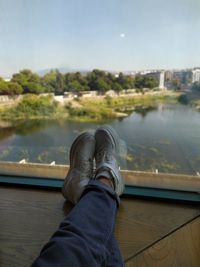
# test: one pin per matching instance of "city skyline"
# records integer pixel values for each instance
(112, 35)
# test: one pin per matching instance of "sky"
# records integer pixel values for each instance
(106, 34)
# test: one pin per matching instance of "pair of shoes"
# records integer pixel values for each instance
(102, 146)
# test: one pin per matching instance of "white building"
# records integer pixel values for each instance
(162, 80)
(196, 75)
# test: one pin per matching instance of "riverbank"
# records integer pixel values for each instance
(191, 98)
(92, 109)
(100, 109)
(196, 104)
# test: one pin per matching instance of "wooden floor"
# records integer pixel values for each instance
(150, 233)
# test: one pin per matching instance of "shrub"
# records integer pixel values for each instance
(183, 99)
(33, 106)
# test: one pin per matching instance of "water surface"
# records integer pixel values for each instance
(166, 139)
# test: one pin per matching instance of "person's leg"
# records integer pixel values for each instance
(113, 256)
(85, 237)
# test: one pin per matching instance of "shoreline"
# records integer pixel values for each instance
(93, 109)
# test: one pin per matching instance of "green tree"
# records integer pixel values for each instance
(110, 78)
(3, 87)
(101, 85)
(14, 88)
(125, 81)
(142, 81)
(196, 87)
(121, 80)
(34, 88)
(117, 87)
(59, 83)
(176, 84)
(49, 81)
(29, 81)
(75, 86)
(82, 81)
(150, 82)
(139, 82)
(99, 80)
(75, 82)
(54, 81)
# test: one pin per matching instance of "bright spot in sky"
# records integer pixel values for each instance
(122, 35)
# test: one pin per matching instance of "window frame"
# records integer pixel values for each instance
(137, 183)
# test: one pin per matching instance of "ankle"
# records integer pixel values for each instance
(106, 181)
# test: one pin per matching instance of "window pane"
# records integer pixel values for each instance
(69, 66)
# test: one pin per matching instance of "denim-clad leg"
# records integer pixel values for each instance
(85, 237)
(113, 257)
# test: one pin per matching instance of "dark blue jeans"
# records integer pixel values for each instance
(85, 238)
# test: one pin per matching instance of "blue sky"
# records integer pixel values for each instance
(105, 34)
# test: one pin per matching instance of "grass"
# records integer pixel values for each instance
(196, 104)
(107, 108)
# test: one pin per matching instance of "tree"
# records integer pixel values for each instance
(117, 87)
(97, 80)
(130, 82)
(34, 88)
(139, 82)
(14, 88)
(176, 84)
(29, 81)
(59, 83)
(121, 80)
(125, 81)
(3, 87)
(101, 85)
(49, 81)
(10, 88)
(75, 86)
(82, 81)
(196, 87)
(145, 82)
(150, 82)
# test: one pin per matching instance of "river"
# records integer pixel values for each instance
(166, 139)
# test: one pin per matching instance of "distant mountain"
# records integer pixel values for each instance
(62, 70)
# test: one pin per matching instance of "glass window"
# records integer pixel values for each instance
(69, 66)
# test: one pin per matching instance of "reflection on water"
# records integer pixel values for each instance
(167, 139)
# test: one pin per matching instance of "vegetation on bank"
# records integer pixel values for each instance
(31, 107)
(56, 82)
(92, 109)
(109, 108)
(192, 97)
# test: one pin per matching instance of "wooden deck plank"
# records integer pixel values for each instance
(178, 249)
(28, 217)
(142, 222)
